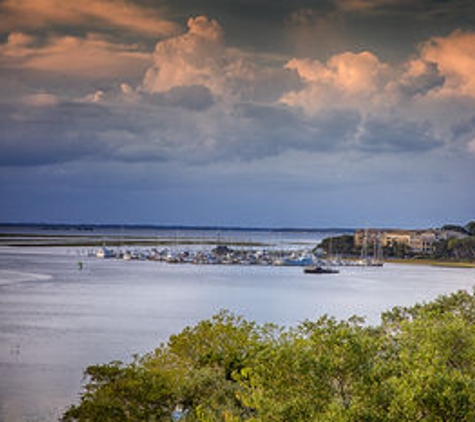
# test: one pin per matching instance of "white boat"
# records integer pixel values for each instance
(104, 253)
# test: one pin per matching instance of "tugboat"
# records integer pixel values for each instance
(317, 269)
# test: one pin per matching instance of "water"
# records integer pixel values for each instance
(55, 320)
(273, 237)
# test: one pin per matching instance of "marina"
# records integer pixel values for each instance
(224, 255)
(219, 255)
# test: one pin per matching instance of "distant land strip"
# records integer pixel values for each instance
(92, 241)
(92, 227)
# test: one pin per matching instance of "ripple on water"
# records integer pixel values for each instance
(10, 277)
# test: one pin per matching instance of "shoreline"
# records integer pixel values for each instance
(27, 240)
(432, 262)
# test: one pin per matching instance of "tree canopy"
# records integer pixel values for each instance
(418, 364)
(470, 228)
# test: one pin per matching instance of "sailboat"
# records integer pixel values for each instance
(377, 259)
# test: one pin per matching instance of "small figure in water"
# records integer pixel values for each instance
(80, 265)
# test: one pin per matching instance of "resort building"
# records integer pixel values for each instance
(419, 241)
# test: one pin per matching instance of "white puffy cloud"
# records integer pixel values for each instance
(345, 80)
(356, 73)
(200, 57)
(454, 57)
(422, 104)
(443, 66)
(194, 58)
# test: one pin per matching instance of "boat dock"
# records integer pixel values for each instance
(223, 255)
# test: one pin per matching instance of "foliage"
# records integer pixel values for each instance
(339, 245)
(118, 392)
(450, 249)
(418, 364)
(397, 250)
(455, 228)
(455, 249)
(345, 245)
(470, 228)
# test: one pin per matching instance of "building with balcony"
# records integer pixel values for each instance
(418, 241)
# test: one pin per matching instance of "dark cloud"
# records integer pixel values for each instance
(339, 24)
(465, 127)
(192, 97)
(271, 130)
(169, 128)
(266, 85)
(46, 135)
(397, 136)
(252, 25)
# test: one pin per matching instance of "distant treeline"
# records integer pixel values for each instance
(450, 249)
(417, 365)
(92, 227)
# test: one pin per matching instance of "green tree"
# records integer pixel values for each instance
(339, 245)
(123, 393)
(397, 250)
(417, 365)
(455, 228)
(433, 372)
(470, 228)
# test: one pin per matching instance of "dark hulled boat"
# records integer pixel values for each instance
(317, 269)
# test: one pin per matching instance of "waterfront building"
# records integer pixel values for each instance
(418, 241)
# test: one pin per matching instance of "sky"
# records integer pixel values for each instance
(256, 113)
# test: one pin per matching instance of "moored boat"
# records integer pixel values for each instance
(104, 253)
(317, 269)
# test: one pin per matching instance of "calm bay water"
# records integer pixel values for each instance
(55, 320)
